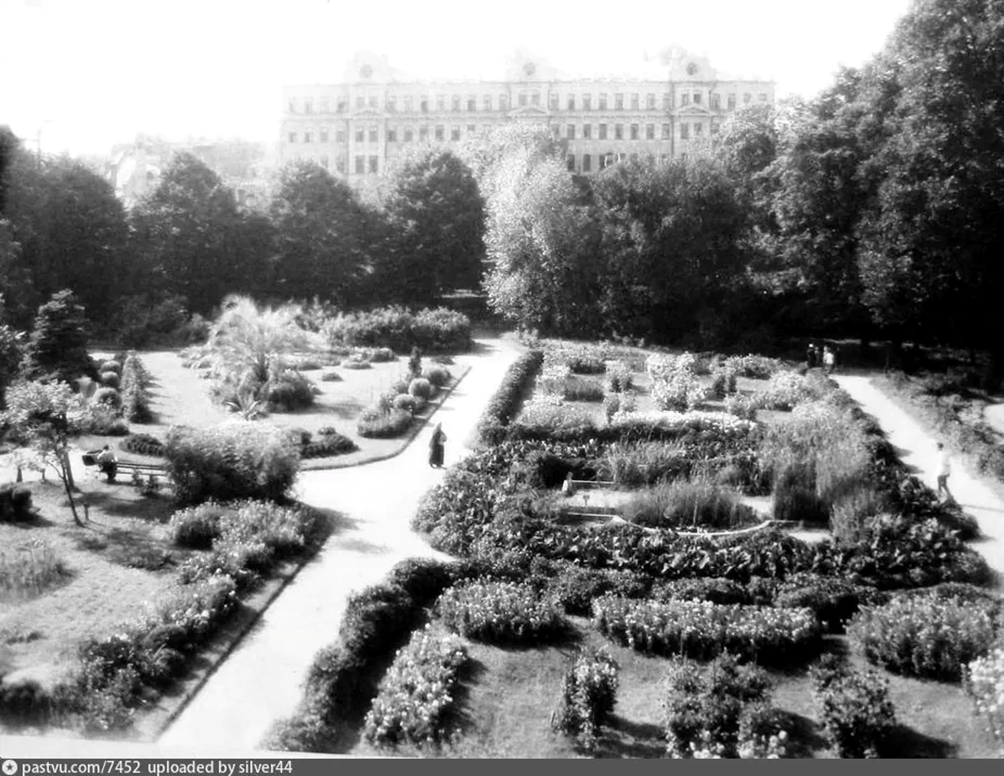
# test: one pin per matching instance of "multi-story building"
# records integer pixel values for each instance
(357, 128)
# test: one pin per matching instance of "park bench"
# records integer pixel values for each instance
(137, 471)
(592, 484)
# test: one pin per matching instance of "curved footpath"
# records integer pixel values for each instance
(261, 680)
(918, 449)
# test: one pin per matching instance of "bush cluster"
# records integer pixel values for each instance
(834, 600)
(925, 636)
(753, 366)
(588, 695)
(574, 588)
(701, 630)
(288, 392)
(505, 402)
(857, 714)
(236, 459)
(375, 423)
(15, 504)
(432, 330)
(325, 443)
(135, 389)
(501, 613)
(721, 711)
(142, 444)
(343, 678)
(417, 693)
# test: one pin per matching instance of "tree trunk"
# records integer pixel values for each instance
(67, 478)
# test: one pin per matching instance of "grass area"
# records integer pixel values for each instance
(508, 696)
(181, 396)
(112, 567)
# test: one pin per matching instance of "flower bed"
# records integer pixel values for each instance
(701, 630)
(501, 613)
(418, 691)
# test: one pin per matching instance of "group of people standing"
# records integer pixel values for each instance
(826, 358)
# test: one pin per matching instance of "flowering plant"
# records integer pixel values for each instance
(984, 683)
(588, 696)
(501, 613)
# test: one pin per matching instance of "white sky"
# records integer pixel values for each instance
(90, 73)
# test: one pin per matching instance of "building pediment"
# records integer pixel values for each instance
(694, 111)
(529, 111)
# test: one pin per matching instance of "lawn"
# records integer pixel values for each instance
(111, 568)
(180, 396)
(508, 695)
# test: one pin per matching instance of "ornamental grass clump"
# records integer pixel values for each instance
(689, 505)
(502, 613)
(589, 692)
(417, 692)
(925, 636)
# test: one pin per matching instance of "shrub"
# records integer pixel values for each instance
(706, 711)
(689, 504)
(588, 695)
(786, 390)
(381, 425)
(57, 346)
(619, 378)
(618, 402)
(984, 683)
(197, 527)
(418, 691)
(330, 376)
(236, 459)
(29, 568)
(420, 388)
(717, 590)
(111, 365)
(701, 630)
(504, 403)
(794, 497)
(15, 503)
(437, 375)
(111, 379)
(328, 444)
(109, 397)
(354, 362)
(142, 444)
(431, 330)
(723, 382)
(134, 388)
(924, 636)
(857, 714)
(289, 392)
(753, 367)
(501, 613)
(103, 420)
(408, 403)
(551, 417)
(832, 599)
(575, 588)
(585, 364)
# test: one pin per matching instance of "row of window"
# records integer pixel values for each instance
(370, 165)
(408, 134)
(605, 160)
(457, 103)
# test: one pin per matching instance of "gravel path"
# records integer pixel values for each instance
(261, 679)
(918, 449)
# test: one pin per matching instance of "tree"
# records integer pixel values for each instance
(57, 347)
(323, 235)
(44, 414)
(673, 245)
(189, 232)
(71, 232)
(929, 257)
(540, 240)
(437, 214)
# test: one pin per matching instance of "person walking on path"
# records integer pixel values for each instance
(812, 356)
(829, 360)
(944, 470)
(437, 447)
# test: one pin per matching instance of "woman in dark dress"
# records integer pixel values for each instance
(436, 447)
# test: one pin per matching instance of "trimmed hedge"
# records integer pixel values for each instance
(505, 402)
(431, 330)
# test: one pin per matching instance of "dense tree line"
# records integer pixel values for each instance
(188, 244)
(872, 210)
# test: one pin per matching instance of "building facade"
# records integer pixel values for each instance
(358, 128)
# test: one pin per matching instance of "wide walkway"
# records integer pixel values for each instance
(261, 680)
(919, 450)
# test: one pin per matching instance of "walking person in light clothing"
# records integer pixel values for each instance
(944, 470)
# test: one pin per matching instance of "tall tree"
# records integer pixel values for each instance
(71, 230)
(323, 235)
(930, 255)
(437, 214)
(189, 233)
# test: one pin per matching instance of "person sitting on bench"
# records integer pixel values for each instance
(107, 463)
